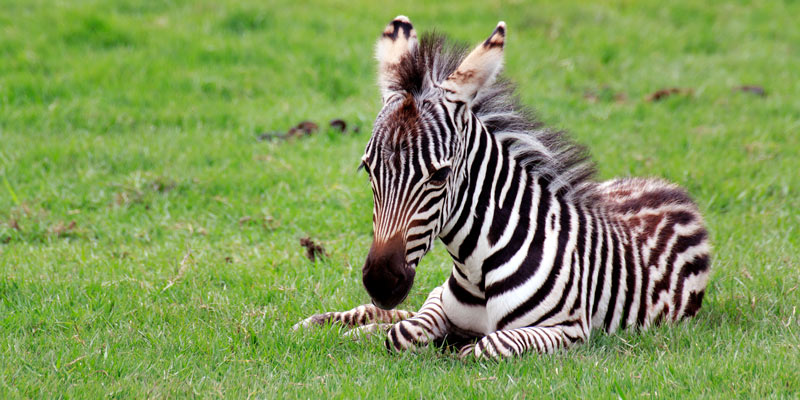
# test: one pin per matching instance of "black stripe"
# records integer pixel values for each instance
(645, 279)
(603, 265)
(616, 268)
(630, 280)
(462, 295)
(590, 276)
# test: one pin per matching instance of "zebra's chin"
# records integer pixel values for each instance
(393, 303)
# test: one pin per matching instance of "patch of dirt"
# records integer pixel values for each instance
(664, 93)
(752, 89)
(305, 128)
(338, 124)
(313, 250)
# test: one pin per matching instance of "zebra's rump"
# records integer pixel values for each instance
(665, 228)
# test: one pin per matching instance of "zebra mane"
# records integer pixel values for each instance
(552, 154)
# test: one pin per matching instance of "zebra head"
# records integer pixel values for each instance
(417, 154)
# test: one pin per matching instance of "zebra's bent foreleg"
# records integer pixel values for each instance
(429, 323)
(515, 342)
(362, 315)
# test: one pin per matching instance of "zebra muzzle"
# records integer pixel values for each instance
(386, 275)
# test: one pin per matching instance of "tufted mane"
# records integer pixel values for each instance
(549, 153)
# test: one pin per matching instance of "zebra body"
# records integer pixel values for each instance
(542, 254)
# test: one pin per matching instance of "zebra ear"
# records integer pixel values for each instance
(479, 69)
(397, 40)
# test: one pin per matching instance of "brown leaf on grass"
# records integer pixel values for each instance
(338, 124)
(13, 224)
(313, 250)
(663, 93)
(753, 89)
(305, 128)
(62, 229)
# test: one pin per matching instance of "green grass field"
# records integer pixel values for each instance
(149, 242)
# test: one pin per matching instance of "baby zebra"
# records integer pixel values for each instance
(541, 252)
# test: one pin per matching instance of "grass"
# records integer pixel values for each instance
(149, 243)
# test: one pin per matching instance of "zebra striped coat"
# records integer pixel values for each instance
(542, 254)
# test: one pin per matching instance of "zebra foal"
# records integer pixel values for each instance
(542, 253)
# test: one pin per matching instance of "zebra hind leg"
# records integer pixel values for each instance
(363, 315)
(515, 342)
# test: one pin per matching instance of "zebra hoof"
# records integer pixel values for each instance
(314, 320)
(484, 349)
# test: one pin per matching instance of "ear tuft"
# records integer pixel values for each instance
(401, 23)
(397, 40)
(479, 69)
(498, 37)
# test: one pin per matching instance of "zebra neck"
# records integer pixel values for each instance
(493, 188)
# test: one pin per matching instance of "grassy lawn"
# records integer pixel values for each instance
(149, 242)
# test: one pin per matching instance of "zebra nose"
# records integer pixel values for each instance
(386, 276)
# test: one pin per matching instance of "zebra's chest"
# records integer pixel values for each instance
(464, 301)
(465, 317)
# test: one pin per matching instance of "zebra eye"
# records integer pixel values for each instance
(439, 177)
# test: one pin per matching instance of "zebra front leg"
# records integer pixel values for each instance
(429, 323)
(515, 342)
(361, 315)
